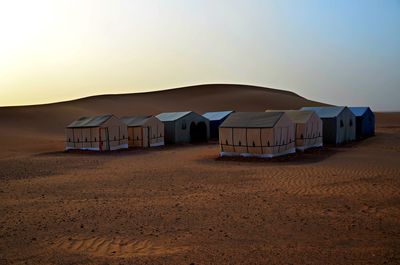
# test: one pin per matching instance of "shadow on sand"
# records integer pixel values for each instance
(314, 155)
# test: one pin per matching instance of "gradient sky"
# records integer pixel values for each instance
(341, 52)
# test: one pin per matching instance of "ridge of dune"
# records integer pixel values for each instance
(53, 117)
(197, 89)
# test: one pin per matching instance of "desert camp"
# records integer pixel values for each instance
(130, 206)
(257, 134)
(308, 128)
(98, 133)
(184, 127)
(365, 122)
(144, 131)
(339, 124)
(216, 118)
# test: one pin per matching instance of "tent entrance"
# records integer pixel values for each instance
(198, 132)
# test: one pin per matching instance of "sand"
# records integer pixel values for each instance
(184, 205)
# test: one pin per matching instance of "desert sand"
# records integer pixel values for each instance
(184, 205)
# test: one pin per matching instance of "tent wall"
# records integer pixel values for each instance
(135, 137)
(151, 133)
(240, 140)
(253, 137)
(255, 141)
(169, 132)
(262, 142)
(78, 138)
(86, 138)
(309, 134)
(346, 127)
(179, 130)
(365, 125)
(104, 143)
(329, 130)
(300, 134)
(69, 139)
(155, 132)
(284, 136)
(369, 124)
(145, 132)
(267, 140)
(214, 126)
(117, 133)
(112, 135)
(226, 140)
(94, 140)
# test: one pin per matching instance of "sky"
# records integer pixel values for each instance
(344, 52)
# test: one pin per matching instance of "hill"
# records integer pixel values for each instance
(52, 118)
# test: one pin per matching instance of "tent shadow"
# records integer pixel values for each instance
(122, 152)
(310, 156)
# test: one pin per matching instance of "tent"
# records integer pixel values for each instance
(258, 134)
(216, 118)
(339, 124)
(184, 127)
(308, 128)
(365, 121)
(144, 131)
(99, 133)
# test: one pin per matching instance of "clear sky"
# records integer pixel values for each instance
(344, 52)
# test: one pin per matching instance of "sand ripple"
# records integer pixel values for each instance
(343, 181)
(114, 247)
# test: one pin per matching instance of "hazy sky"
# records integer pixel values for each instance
(341, 52)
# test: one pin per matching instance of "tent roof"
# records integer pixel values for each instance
(252, 120)
(133, 121)
(216, 115)
(326, 112)
(172, 116)
(358, 111)
(297, 116)
(87, 122)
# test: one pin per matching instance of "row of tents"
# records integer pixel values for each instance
(108, 132)
(265, 134)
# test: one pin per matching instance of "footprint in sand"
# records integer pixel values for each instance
(115, 247)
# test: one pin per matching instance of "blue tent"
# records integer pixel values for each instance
(216, 118)
(365, 121)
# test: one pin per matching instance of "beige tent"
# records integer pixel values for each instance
(144, 131)
(259, 134)
(100, 133)
(308, 128)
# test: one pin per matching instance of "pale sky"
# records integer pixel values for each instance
(344, 52)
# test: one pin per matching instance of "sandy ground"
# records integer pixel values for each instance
(183, 205)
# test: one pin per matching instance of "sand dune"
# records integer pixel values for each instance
(52, 118)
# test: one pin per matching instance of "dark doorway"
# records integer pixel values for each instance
(201, 132)
(192, 132)
(198, 133)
